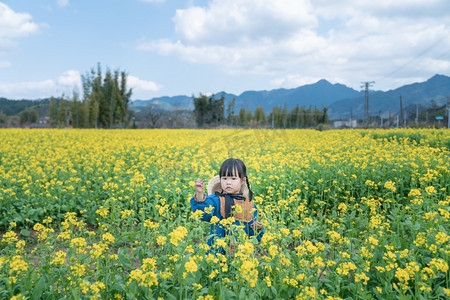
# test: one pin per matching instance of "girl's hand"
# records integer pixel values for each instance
(233, 247)
(257, 225)
(199, 186)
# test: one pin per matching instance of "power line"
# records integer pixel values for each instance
(414, 58)
(433, 62)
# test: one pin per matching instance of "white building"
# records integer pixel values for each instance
(350, 123)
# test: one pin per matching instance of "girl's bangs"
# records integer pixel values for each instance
(229, 167)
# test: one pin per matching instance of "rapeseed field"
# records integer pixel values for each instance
(105, 214)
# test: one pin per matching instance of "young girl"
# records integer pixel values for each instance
(229, 195)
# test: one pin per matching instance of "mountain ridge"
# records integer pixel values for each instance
(302, 95)
(435, 90)
(342, 101)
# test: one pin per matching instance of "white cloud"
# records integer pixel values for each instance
(4, 64)
(356, 40)
(141, 84)
(63, 3)
(28, 89)
(233, 22)
(71, 78)
(293, 80)
(6, 44)
(66, 83)
(239, 35)
(290, 81)
(13, 25)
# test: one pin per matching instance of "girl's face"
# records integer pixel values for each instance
(231, 184)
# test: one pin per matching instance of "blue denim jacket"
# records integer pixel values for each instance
(217, 230)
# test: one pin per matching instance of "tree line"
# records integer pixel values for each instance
(105, 102)
(210, 112)
(14, 113)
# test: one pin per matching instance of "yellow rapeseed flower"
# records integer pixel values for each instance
(60, 258)
(96, 287)
(9, 237)
(191, 266)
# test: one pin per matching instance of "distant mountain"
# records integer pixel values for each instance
(436, 89)
(14, 107)
(317, 94)
(340, 100)
(165, 103)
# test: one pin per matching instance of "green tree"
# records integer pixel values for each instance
(62, 112)
(108, 106)
(200, 109)
(285, 116)
(209, 111)
(277, 117)
(53, 112)
(249, 116)
(217, 108)
(93, 111)
(75, 108)
(123, 98)
(307, 115)
(29, 115)
(260, 116)
(3, 117)
(230, 111)
(84, 114)
(324, 115)
(303, 117)
(245, 117)
(295, 117)
(108, 98)
(104, 106)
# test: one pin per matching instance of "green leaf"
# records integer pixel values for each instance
(75, 294)
(128, 236)
(123, 258)
(39, 288)
(25, 232)
(229, 294)
(274, 290)
(242, 294)
(170, 296)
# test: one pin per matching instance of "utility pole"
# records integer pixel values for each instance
(401, 111)
(366, 85)
(448, 113)
(351, 118)
(381, 119)
(273, 119)
(389, 124)
(417, 115)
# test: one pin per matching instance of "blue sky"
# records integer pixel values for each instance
(170, 47)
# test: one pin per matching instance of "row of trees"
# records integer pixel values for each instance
(298, 117)
(210, 112)
(15, 113)
(104, 104)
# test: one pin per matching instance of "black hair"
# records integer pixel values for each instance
(230, 165)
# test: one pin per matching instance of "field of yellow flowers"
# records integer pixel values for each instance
(105, 214)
